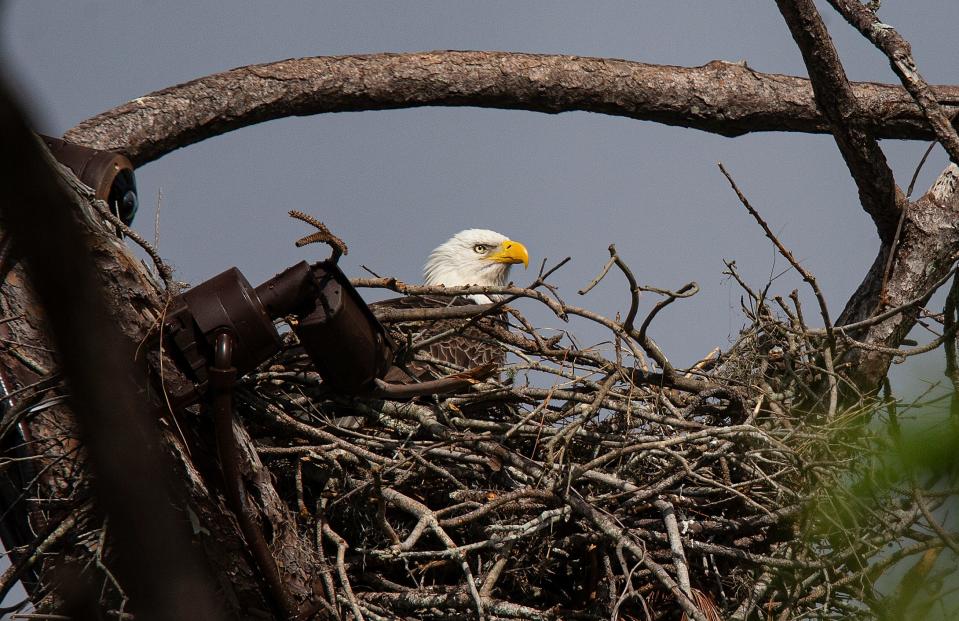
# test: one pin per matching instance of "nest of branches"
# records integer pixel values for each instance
(576, 484)
(573, 483)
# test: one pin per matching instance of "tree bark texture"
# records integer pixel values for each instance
(919, 238)
(720, 97)
(927, 251)
(899, 52)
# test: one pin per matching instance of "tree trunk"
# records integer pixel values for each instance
(57, 451)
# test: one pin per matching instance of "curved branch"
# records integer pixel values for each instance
(724, 98)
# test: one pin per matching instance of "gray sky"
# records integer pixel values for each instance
(395, 184)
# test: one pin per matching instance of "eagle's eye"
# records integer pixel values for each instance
(480, 248)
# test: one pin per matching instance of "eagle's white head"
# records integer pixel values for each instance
(474, 257)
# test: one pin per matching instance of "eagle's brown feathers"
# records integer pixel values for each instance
(470, 344)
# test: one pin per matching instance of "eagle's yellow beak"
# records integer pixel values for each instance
(511, 252)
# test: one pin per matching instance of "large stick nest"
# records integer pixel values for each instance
(575, 484)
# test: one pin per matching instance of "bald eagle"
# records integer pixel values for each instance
(471, 257)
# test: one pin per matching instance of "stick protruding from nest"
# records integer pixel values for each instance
(322, 235)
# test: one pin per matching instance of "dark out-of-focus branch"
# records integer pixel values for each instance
(720, 97)
(878, 193)
(155, 563)
(903, 64)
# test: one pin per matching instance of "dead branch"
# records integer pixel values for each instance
(878, 193)
(928, 248)
(725, 98)
(323, 235)
(899, 52)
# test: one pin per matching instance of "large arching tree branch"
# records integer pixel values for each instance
(719, 97)
(725, 98)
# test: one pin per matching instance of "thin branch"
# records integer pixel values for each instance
(17, 569)
(164, 270)
(806, 274)
(675, 545)
(915, 173)
(602, 273)
(398, 315)
(323, 235)
(899, 52)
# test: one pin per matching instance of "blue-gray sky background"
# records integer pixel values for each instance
(395, 184)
